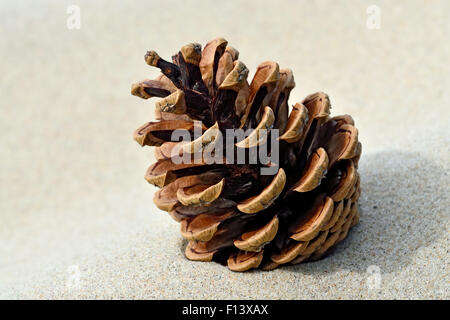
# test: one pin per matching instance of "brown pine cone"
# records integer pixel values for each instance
(233, 211)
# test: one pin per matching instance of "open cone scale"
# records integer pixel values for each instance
(231, 213)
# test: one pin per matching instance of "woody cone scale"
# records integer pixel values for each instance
(229, 211)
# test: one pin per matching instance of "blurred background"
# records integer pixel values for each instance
(73, 201)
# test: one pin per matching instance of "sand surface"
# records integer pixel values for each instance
(77, 218)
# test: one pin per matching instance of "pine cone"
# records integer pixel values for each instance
(231, 211)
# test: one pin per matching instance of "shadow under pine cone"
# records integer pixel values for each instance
(398, 215)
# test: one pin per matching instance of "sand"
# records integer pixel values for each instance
(77, 219)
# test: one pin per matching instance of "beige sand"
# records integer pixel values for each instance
(72, 193)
